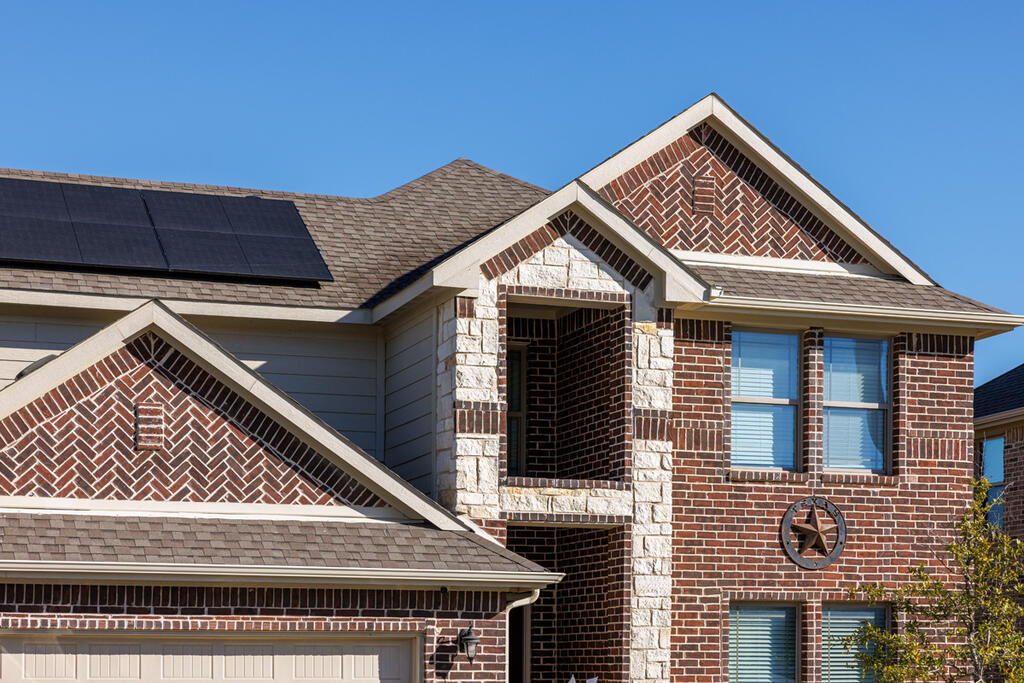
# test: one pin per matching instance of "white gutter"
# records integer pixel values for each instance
(173, 573)
(995, 419)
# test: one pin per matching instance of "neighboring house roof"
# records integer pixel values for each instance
(203, 545)
(838, 289)
(1002, 394)
(372, 246)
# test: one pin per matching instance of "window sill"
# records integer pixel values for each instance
(767, 474)
(859, 478)
(542, 482)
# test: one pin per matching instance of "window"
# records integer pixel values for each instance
(992, 470)
(856, 403)
(764, 399)
(516, 425)
(762, 644)
(838, 665)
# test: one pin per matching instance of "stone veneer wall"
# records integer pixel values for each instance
(470, 391)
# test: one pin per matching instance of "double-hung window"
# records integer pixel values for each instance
(839, 665)
(516, 416)
(992, 470)
(762, 644)
(765, 393)
(856, 403)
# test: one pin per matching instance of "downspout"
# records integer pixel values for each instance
(516, 600)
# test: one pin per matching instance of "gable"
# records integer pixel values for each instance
(700, 193)
(147, 423)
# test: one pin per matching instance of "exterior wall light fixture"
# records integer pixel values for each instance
(468, 642)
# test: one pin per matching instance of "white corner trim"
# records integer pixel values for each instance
(104, 302)
(36, 505)
(713, 108)
(701, 258)
(175, 573)
(983, 319)
(214, 359)
(1000, 418)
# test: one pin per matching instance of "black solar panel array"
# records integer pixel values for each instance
(91, 225)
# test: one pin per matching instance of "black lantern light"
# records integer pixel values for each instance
(468, 643)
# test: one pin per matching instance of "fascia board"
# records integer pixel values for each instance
(1000, 418)
(174, 573)
(979, 319)
(125, 304)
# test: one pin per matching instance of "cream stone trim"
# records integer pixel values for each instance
(714, 110)
(36, 505)
(1000, 418)
(154, 316)
(177, 573)
(102, 302)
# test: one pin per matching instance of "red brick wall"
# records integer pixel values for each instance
(436, 616)
(726, 527)
(79, 440)
(579, 371)
(580, 627)
(701, 194)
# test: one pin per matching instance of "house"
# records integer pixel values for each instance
(999, 440)
(645, 427)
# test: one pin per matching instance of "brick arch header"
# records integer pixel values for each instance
(147, 423)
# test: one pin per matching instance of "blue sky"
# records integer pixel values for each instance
(908, 112)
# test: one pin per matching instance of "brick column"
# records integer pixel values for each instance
(810, 640)
(812, 384)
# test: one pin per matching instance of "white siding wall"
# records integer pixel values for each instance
(331, 372)
(409, 400)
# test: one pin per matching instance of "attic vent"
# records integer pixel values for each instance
(33, 366)
(704, 194)
(149, 426)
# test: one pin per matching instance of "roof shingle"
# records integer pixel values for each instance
(1005, 392)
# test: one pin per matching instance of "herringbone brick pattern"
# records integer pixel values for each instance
(751, 215)
(78, 441)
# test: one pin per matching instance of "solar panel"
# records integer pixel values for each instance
(258, 216)
(129, 246)
(284, 257)
(38, 239)
(105, 205)
(186, 211)
(66, 223)
(204, 252)
(32, 198)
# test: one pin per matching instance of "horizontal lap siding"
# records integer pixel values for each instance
(409, 401)
(333, 374)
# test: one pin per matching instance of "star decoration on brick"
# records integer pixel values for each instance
(816, 534)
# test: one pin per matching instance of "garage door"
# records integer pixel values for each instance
(194, 659)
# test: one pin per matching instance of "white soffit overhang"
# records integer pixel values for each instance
(713, 110)
(206, 353)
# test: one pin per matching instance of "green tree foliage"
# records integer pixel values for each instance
(958, 620)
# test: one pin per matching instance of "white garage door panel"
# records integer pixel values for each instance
(211, 660)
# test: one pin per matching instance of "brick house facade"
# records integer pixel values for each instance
(511, 411)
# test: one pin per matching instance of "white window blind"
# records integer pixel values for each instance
(856, 403)
(762, 644)
(765, 386)
(838, 665)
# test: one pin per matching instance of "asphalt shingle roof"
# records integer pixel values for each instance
(372, 246)
(182, 540)
(839, 289)
(1005, 392)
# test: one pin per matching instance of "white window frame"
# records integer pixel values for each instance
(886, 407)
(798, 637)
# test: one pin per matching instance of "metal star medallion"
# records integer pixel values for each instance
(816, 533)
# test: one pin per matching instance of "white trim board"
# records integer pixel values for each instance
(155, 317)
(714, 110)
(219, 574)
